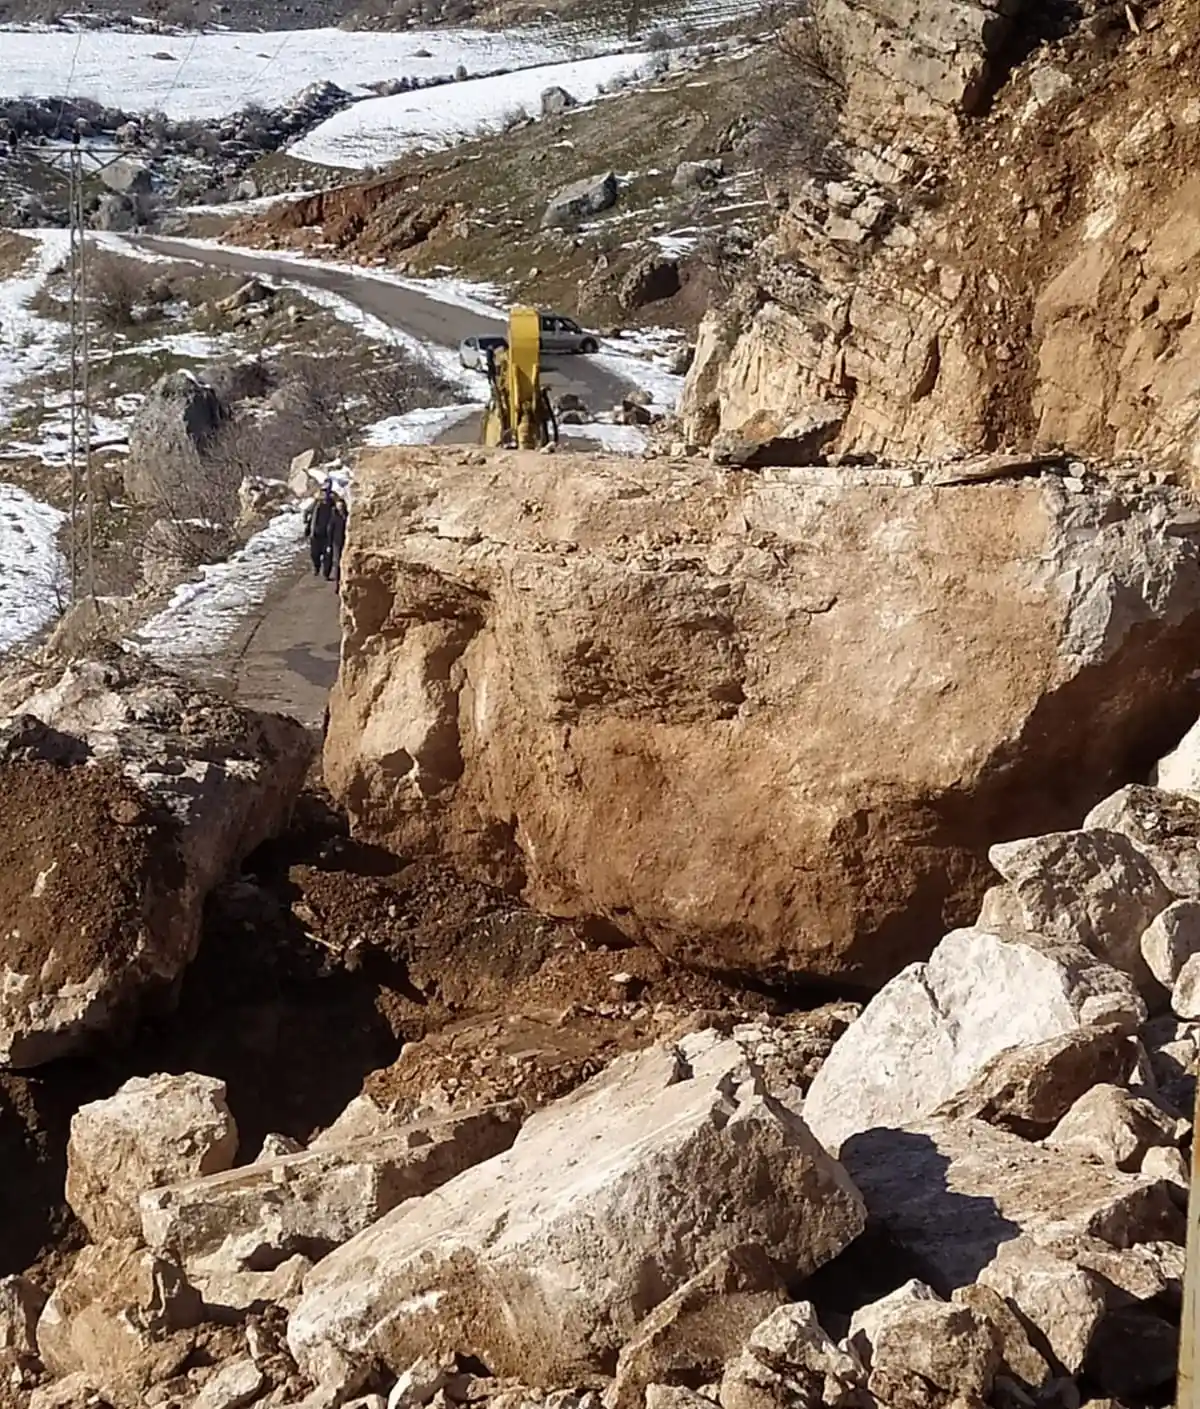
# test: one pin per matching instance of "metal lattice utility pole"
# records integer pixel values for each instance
(73, 214)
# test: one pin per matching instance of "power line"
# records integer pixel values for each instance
(183, 64)
(62, 102)
(261, 74)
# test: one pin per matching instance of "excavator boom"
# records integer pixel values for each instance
(518, 412)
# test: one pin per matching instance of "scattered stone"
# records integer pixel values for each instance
(421, 1382)
(581, 199)
(1110, 1125)
(933, 1352)
(1166, 1162)
(129, 178)
(1165, 828)
(154, 1130)
(1090, 887)
(1185, 996)
(690, 1335)
(254, 291)
(1063, 1302)
(1019, 1358)
(868, 1322)
(120, 1316)
(276, 1147)
(232, 1387)
(1027, 1090)
(931, 1031)
(654, 1152)
(556, 101)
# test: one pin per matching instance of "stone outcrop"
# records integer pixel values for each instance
(625, 687)
(938, 290)
(171, 788)
(543, 1261)
(154, 1130)
(175, 424)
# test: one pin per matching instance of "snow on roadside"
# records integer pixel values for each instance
(381, 130)
(420, 427)
(212, 75)
(32, 569)
(203, 615)
(28, 344)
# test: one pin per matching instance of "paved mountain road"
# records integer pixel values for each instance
(285, 657)
(430, 319)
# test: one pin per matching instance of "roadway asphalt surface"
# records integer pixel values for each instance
(415, 313)
(285, 658)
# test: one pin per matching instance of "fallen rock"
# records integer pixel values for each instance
(1185, 996)
(539, 1261)
(689, 1336)
(171, 788)
(232, 1387)
(178, 421)
(1020, 1360)
(697, 175)
(128, 177)
(556, 101)
(1110, 1125)
(931, 1032)
(950, 1192)
(1094, 888)
(154, 1130)
(1028, 1090)
(1063, 1302)
(21, 1303)
(252, 1218)
(869, 1321)
(1165, 828)
(1171, 940)
(738, 710)
(1179, 771)
(581, 199)
(251, 292)
(932, 1353)
(259, 498)
(122, 1317)
(792, 1343)
(421, 1383)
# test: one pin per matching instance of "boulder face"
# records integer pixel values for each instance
(129, 796)
(769, 722)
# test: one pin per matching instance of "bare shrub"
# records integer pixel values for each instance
(798, 113)
(117, 289)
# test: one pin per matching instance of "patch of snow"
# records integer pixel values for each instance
(420, 427)
(623, 440)
(664, 387)
(32, 570)
(214, 74)
(380, 130)
(29, 344)
(204, 614)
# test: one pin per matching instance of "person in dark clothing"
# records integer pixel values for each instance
(325, 529)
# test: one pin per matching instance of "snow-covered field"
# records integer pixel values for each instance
(381, 130)
(212, 75)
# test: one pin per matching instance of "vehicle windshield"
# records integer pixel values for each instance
(492, 342)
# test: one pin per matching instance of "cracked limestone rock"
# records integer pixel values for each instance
(154, 1130)
(931, 1032)
(621, 687)
(543, 1261)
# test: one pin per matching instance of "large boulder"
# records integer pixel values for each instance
(581, 199)
(154, 1130)
(934, 1029)
(769, 722)
(544, 1260)
(175, 424)
(129, 796)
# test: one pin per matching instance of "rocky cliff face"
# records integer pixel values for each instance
(771, 722)
(1007, 257)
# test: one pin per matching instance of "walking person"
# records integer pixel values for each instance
(325, 529)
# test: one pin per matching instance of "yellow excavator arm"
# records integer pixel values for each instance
(518, 412)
